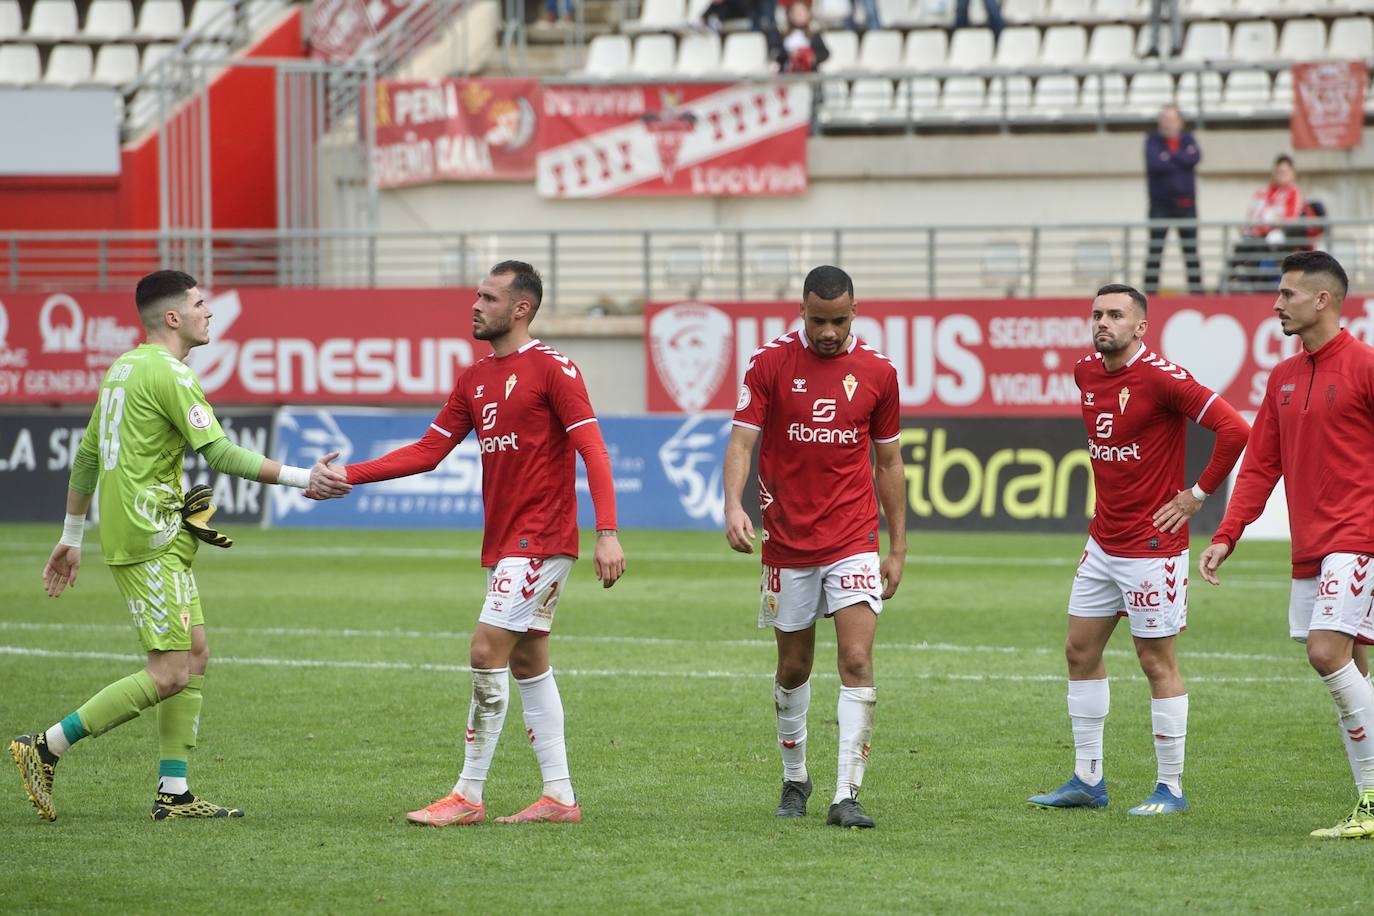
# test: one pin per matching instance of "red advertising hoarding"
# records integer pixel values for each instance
(716, 139)
(455, 130)
(1328, 104)
(268, 346)
(1010, 357)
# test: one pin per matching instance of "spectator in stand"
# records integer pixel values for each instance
(1175, 27)
(557, 12)
(1171, 155)
(1266, 240)
(993, 8)
(802, 49)
(762, 15)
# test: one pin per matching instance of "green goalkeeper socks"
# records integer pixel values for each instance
(118, 703)
(178, 720)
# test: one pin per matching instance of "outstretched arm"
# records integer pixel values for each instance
(321, 481)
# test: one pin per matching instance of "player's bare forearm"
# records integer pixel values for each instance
(608, 559)
(739, 529)
(890, 476)
(78, 503)
(65, 560)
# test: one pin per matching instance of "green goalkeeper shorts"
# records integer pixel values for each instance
(162, 595)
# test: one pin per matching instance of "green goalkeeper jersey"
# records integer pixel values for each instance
(151, 407)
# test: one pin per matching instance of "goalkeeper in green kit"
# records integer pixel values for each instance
(151, 408)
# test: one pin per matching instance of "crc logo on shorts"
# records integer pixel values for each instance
(1144, 597)
(501, 583)
(489, 414)
(865, 580)
(1330, 586)
(823, 410)
(198, 416)
(1104, 426)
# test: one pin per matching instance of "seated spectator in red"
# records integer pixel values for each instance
(802, 49)
(1269, 234)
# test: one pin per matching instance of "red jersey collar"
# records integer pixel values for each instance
(1331, 347)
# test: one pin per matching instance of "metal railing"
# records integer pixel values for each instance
(617, 271)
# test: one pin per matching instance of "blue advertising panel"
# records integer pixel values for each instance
(667, 472)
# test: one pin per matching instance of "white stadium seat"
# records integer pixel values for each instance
(894, 12)
(1206, 9)
(1259, 7)
(1247, 91)
(1204, 41)
(1114, 10)
(608, 55)
(109, 19)
(933, 12)
(1018, 48)
(699, 53)
(1070, 10)
(53, 19)
(1022, 12)
(1110, 45)
(115, 65)
(212, 19)
(844, 51)
(1188, 95)
(1252, 41)
(1352, 39)
(963, 95)
(923, 93)
(871, 99)
(1149, 92)
(880, 50)
(657, 16)
(19, 65)
(653, 55)
(1066, 46)
(160, 19)
(1015, 89)
(11, 25)
(153, 54)
(68, 65)
(1056, 95)
(745, 53)
(1302, 39)
(925, 49)
(1103, 93)
(970, 49)
(1283, 90)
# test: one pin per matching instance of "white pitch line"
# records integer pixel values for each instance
(723, 555)
(328, 633)
(429, 667)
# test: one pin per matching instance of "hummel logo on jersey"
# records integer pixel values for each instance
(479, 391)
(489, 414)
(1088, 399)
(799, 386)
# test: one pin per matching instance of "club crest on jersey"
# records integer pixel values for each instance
(744, 397)
(851, 384)
(799, 386)
(480, 390)
(1123, 397)
(1088, 399)
(510, 384)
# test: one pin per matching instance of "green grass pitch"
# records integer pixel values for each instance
(336, 698)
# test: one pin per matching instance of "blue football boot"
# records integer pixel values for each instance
(1162, 801)
(1073, 794)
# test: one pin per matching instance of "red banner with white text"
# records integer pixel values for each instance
(1328, 104)
(338, 28)
(455, 130)
(267, 346)
(689, 139)
(1011, 357)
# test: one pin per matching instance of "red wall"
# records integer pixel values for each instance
(242, 150)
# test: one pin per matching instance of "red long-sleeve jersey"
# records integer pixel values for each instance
(1315, 429)
(530, 410)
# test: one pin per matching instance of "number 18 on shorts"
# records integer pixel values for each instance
(794, 599)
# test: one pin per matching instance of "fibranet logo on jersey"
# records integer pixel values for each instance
(1100, 452)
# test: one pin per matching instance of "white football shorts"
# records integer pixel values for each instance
(1151, 591)
(794, 599)
(523, 593)
(1340, 599)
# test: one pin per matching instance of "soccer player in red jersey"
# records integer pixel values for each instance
(528, 405)
(1315, 429)
(1136, 407)
(818, 397)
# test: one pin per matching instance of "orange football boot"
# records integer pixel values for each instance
(546, 810)
(451, 809)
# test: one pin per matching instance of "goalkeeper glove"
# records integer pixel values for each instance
(196, 511)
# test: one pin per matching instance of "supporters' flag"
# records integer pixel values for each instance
(711, 139)
(1328, 104)
(455, 129)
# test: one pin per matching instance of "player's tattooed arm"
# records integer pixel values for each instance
(739, 529)
(890, 475)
